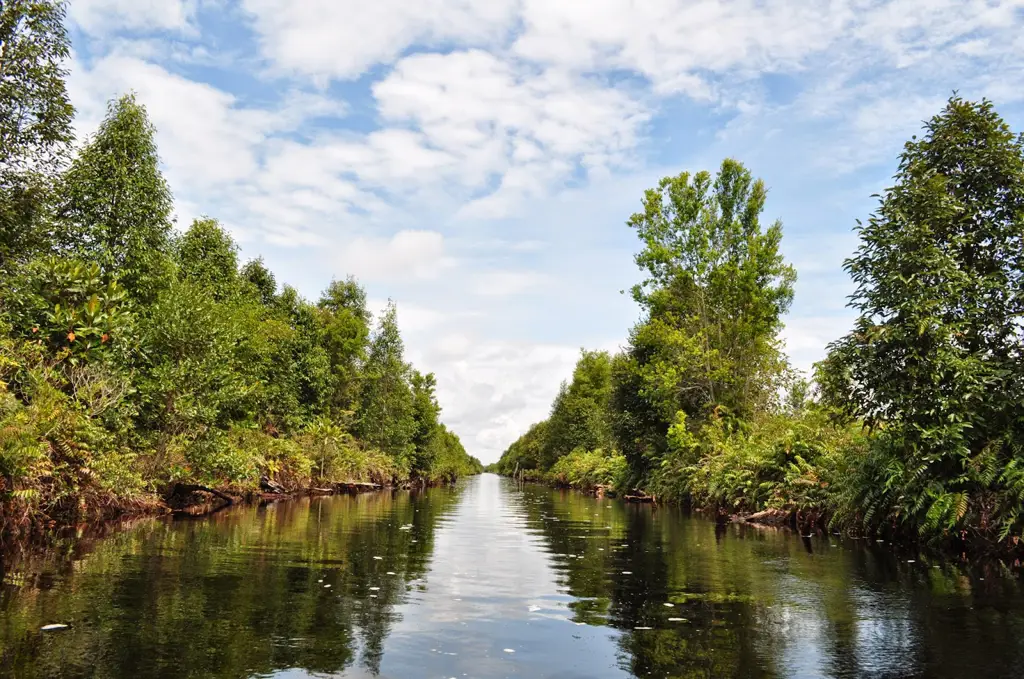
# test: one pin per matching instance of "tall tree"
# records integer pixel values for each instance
(35, 117)
(386, 417)
(426, 415)
(346, 336)
(937, 353)
(716, 289)
(116, 203)
(580, 413)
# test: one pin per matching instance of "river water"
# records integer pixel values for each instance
(490, 579)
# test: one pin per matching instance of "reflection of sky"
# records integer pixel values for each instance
(488, 571)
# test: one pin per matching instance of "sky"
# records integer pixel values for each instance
(476, 161)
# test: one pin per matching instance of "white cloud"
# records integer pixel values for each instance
(407, 254)
(491, 390)
(106, 16)
(343, 38)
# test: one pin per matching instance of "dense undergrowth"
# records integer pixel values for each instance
(911, 427)
(135, 356)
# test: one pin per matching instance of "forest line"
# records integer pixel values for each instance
(910, 428)
(134, 358)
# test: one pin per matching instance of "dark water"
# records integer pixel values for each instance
(490, 580)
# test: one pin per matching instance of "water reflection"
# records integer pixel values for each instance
(494, 580)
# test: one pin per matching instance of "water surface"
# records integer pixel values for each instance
(490, 579)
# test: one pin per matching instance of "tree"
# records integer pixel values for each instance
(35, 118)
(207, 255)
(716, 290)
(426, 414)
(116, 204)
(386, 417)
(257, 275)
(346, 336)
(935, 356)
(579, 414)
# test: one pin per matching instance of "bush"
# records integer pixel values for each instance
(587, 469)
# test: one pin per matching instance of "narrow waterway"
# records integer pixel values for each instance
(494, 580)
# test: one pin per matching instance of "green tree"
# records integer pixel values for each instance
(387, 411)
(426, 414)
(580, 413)
(35, 119)
(264, 284)
(346, 338)
(716, 289)
(207, 255)
(935, 357)
(116, 205)
(526, 452)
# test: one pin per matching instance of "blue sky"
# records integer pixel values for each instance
(476, 160)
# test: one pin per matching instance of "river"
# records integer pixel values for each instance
(490, 579)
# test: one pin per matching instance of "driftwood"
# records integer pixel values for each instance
(356, 486)
(268, 485)
(638, 498)
(185, 488)
(770, 517)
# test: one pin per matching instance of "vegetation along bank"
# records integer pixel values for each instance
(138, 362)
(912, 427)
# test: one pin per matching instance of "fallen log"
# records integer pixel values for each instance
(356, 486)
(638, 498)
(769, 517)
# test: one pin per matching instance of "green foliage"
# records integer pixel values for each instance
(132, 359)
(935, 359)
(387, 405)
(716, 290)
(35, 120)
(71, 309)
(585, 470)
(579, 415)
(114, 204)
(207, 256)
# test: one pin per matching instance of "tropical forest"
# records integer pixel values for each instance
(230, 228)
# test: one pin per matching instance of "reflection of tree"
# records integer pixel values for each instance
(634, 561)
(233, 595)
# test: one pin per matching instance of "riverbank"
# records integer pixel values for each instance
(807, 520)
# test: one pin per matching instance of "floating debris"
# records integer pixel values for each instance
(378, 558)
(627, 572)
(642, 627)
(668, 604)
(508, 650)
(677, 620)
(53, 627)
(390, 573)
(327, 586)
(375, 589)
(533, 608)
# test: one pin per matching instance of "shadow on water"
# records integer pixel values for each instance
(495, 580)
